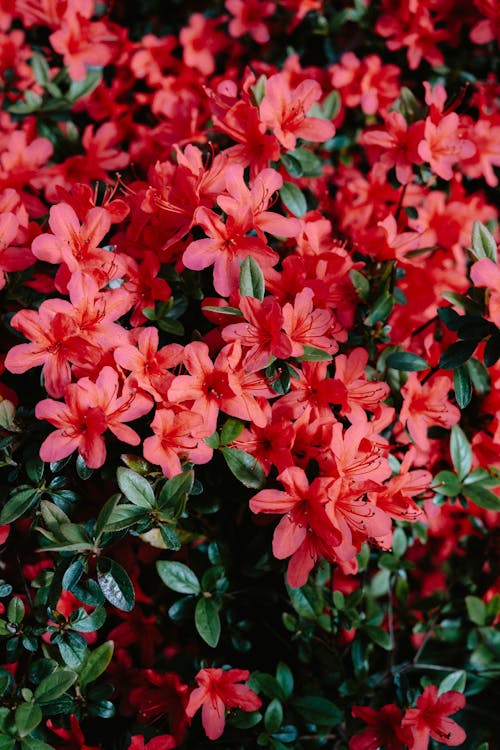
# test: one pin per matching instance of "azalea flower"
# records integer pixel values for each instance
(430, 718)
(218, 690)
(383, 731)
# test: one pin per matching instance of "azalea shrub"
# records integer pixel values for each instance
(249, 415)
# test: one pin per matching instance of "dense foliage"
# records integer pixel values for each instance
(249, 397)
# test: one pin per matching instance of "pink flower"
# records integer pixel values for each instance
(431, 718)
(217, 691)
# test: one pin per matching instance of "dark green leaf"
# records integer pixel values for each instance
(136, 489)
(78, 89)
(54, 685)
(251, 279)
(450, 318)
(96, 663)
(306, 601)
(18, 505)
(273, 718)
(174, 491)
(457, 354)
(30, 743)
(105, 513)
(28, 716)
(115, 584)
(318, 710)
(407, 361)
(284, 677)
(178, 577)
(294, 199)
(462, 385)
(88, 622)
(73, 574)
(491, 352)
(245, 719)
(207, 621)
(82, 469)
(381, 309)
(124, 516)
(245, 467)
(483, 242)
(461, 453)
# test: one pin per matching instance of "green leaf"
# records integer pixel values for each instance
(135, 488)
(407, 361)
(225, 310)
(245, 719)
(54, 685)
(18, 505)
(313, 354)
(105, 514)
(481, 496)
(170, 537)
(310, 164)
(7, 743)
(115, 584)
(360, 283)
(273, 718)
(318, 710)
(292, 165)
(306, 601)
(294, 199)
(379, 636)
(262, 682)
(483, 242)
(245, 467)
(457, 354)
(492, 350)
(454, 681)
(96, 663)
(461, 453)
(178, 577)
(174, 492)
(381, 309)
(399, 542)
(251, 279)
(87, 622)
(284, 677)
(463, 386)
(479, 375)
(83, 471)
(15, 610)
(447, 483)
(207, 621)
(78, 89)
(476, 609)
(28, 716)
(72, 648)
(123, 516)
(231, 430)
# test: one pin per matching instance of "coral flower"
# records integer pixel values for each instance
(431, 718)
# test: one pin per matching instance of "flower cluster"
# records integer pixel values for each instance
(255, 243)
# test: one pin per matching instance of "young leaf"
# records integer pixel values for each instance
(178, 577)
(115, 584)
(461, 453)
(18, 504)
(207, 621)
(481, 496)
(318, 710)
(273, 718)
(96, 663)
(476, 609)
(231, 430)
(454, 681)
(483, 242)
(251, 279)
(284, 677)
(27, 717)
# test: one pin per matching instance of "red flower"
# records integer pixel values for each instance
(73, 737)
(431, 718)
(383, 730)
(161, 742)
(218, 690)
(160, 695)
